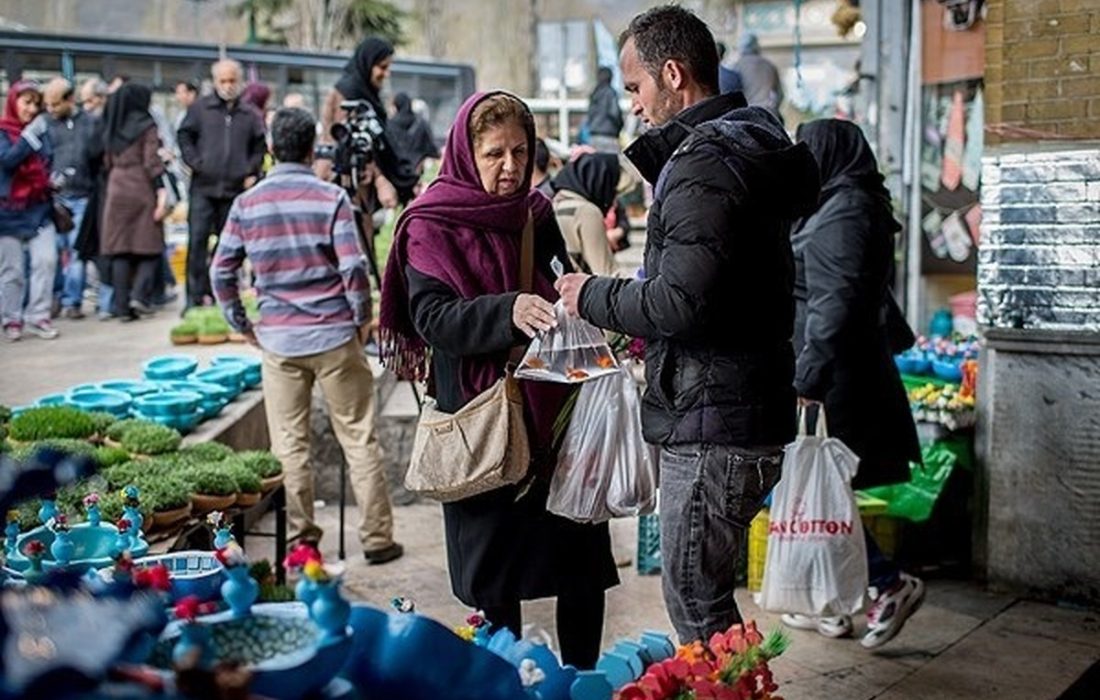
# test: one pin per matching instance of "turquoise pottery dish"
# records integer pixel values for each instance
(252, 367)
(117, 403)
(82, 387)
(170, 367)
(133, 387)
(93, 547)
(277, 643)
(168, 403)
(214, 396)
(229, 375)
(947, 370)
(192, 573)
(184, 423)
(51, 400)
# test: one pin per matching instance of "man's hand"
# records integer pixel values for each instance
(569, 287)
(532, 314)
(387, 193)
(250, 338)
(249, 182)
(160, 212)
(362, 334)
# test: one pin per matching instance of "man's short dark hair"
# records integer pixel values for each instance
(671, 33)
(189, 85)
(293, 132)
(542, 156)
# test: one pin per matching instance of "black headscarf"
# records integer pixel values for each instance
(843, 157)
(404, 117)
(127, 116)
(593, 176)
(356, 84)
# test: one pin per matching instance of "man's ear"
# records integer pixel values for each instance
(674, 74)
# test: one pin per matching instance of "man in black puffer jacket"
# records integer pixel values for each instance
(716, 308)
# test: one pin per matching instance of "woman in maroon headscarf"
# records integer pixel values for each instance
(25, 214)
(451, 304)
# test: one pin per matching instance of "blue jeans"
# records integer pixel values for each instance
(709, 495)
(882, 572)
(69, 283)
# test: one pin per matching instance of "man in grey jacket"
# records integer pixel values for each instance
(605, 118)
(71, 133)
(223, 142)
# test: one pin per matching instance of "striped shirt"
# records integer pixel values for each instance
(310, 272)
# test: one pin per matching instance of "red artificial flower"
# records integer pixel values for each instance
(301, 555)
(123, 524)
(125, 561)
(34, 548)
(155, 577)
(187, 608)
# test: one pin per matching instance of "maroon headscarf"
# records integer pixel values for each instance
(469, 239)
(31, 180)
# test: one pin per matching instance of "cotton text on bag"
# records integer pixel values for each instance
(817, 559)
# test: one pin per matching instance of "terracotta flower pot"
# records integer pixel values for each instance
(246, 500)
(235, 337)
(214, 339)
(184, 339)
(163, 519)
(272, 482)
(204, 503)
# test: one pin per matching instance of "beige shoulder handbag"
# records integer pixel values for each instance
(484, 445)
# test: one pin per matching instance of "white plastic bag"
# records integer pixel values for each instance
(604, 469)
(817, 557)
(574, 351)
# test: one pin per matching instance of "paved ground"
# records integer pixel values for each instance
(965, 642)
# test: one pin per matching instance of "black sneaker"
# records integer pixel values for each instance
(385, 554)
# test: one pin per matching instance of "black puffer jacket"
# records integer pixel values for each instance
(222, 144)
(716, 308)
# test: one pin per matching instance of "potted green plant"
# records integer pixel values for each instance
(169, 498)
(110, 455)
(212, 488)
(151, 439)
(115, 431)
(249, 486)
(103, 420)
(205, 452)
(213, 330)
(44, 422)
(265, 465)
(186, 333)
(69, 446)
(119, 475)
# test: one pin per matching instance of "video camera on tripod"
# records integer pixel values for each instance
(358, 141)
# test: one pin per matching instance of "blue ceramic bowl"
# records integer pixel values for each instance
(93, 547)
(117, 403)
(51, 400)
(170, 367)
(279, 645)
(193, 573)
(132, 387)
(947, 370)
(228, 375)
(168, 403)
(214, 396)
(912, 362)
(184, 423)
(252, 367)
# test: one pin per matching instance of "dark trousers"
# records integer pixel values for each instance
(206, 217)
(882, 572)
(579, 621)
(132, 278)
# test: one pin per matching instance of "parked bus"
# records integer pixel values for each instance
(162, 64)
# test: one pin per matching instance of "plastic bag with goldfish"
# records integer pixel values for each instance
(574, 351)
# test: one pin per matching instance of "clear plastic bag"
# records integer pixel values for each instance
(817, 558)
(605, 469)
(574, 351)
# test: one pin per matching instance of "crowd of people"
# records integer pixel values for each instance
(765, 286)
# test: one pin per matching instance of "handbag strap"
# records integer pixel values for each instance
(526, 276)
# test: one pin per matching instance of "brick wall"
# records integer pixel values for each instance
(1039, 261)
(1042, 68)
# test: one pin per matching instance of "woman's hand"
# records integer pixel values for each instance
(161, 210)
(532, 314)
(387, 193)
